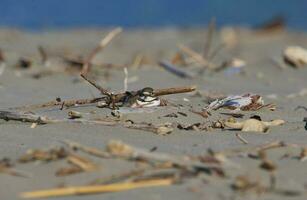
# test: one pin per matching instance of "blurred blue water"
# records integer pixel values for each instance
(38, 14)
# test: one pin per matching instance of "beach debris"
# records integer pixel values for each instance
(163, 129)
(66, 171)
(103, 43)
(301, 93)
(6, 166)
(75, 146)
(244, 183)
(244, 141)
(245, 102)
(94, 189)
(119, 149)
(74, 114)
(175, 70)
(296, 56)
(178, 59)
(196, 126)
(24, 63)
(232, 67)
(171, 115)
(235, 115)
(43, 155)
(254, 125)
(44, 57)
(203, 113)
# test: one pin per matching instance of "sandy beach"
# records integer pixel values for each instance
(265, 73)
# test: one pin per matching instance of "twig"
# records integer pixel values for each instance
(86, 149)
(175, 70)
(103, 43)
(66, 103)
(159, 130)
(82, 190)
(211, 30)
(241, 138)
(43, 54)
(174, 90)
(101, 89)
(25, 117)
(126, 79)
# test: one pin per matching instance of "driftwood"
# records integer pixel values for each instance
(116, 98)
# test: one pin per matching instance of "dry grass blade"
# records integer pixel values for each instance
(103, 43)
(94, 189)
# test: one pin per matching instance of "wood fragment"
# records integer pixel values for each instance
(87, 149)
(103, 43)
(94, 189)
(82, 163)
(159, 130)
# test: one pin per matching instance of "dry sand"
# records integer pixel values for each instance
(262, 76)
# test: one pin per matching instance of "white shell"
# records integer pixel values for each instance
(296, 55)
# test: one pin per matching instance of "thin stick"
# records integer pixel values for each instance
(174, 90)
(211, 31)
(244, 141)
(101, 89)
(175, 70)
(43, 54)
(25, 117)
(66, 103)
(126, 79)
(82, 190)
(103, 43)
(87, 149)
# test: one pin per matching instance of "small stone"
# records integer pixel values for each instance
(296, 56)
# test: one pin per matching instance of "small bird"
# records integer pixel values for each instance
(142, 98)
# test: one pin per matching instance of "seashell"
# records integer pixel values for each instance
(295, 56)
(254, 125)
(238, 102)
